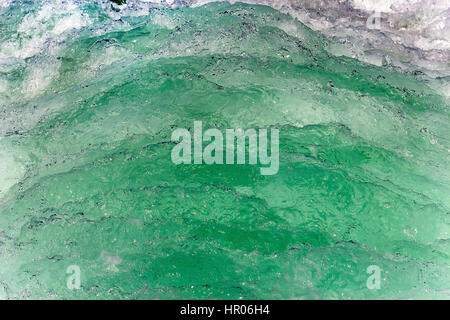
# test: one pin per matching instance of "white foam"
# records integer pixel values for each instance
(49, 25)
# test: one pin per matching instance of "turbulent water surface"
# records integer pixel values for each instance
(90, 96)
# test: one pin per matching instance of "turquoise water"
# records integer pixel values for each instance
(87, 113)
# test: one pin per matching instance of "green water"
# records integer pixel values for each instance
(88, 178)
